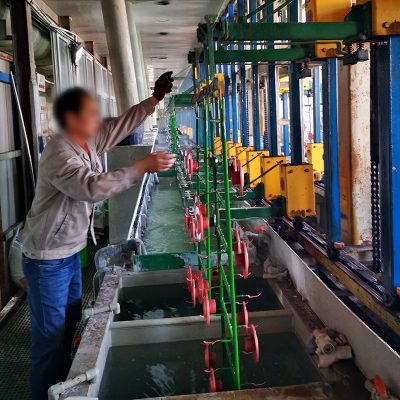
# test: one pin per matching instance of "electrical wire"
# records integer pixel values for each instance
(28, 151)
(45, 19)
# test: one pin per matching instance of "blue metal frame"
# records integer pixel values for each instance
(317, 105)
(331, 151)
(231, 16)
(285, 128)
(226, 89)
(255, 82)
(272, 111)
(296, 134)
(296, 131)
(272, 125)
(385, 95)
(5, 77)
(243, 92)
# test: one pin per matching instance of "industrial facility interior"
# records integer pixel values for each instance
(266, 263)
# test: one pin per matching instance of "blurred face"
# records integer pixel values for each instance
(86, 124)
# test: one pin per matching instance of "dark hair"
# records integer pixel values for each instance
(68, 101)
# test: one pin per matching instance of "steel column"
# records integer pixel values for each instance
(226, 99)
(243, 91)
(231, 15)
(317, 105)
(296, 131)
(331, 152)
(285, 128)
(255, 91)
(385, 123)
(272, 109)
(27, 89)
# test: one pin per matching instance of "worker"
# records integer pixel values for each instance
(70, 181)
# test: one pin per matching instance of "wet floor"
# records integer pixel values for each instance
(167, 369)
(165, 232)
(169, 301)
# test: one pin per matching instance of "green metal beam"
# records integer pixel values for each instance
(264, 55)
(293, 31)
(253, 212)
(183, 99)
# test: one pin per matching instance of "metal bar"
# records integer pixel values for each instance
(255, 11)
(231, 265)
(243, 91)
(296, 133)
(272, 111)
(231, 16)
(385, 95)
(226, 96)
(252, 212)
(26, 87)
(348, 278)
(10, 155)
(331, 151)
(285, 110)
(317, 105)
(292, 31)
(276, 10)
(255, 84)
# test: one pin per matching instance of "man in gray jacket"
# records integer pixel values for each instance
(70, 181)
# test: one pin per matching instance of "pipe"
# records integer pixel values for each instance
(56, 390)
(231, 15)
(89, 312)
(243, 88)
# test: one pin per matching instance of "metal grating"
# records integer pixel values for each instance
(15, 342)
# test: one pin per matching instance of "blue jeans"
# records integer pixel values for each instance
(54, 295)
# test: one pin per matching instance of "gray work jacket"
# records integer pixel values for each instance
(69, 182)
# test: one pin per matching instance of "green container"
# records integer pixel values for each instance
(83, 254)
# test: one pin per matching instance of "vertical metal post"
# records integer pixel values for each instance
(272, 108)
(231, 262)
(285, 127)
(27, 88)
(296, 135)
(296, 132)
(243, 91)
(331, 152)
(226, 99)
(231, 15)
(317, 105)
(255, 90)
(385, 95)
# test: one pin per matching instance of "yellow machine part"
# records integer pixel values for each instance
(253, 160)
(271, 180)
(327, 11)
(241, 154)
(217, 145)
(297, 186)
(385, 17)
(231, 149)
(220, 92)
(315, 156)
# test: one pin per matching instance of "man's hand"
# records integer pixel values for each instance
(163, 85)
(156, 162)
